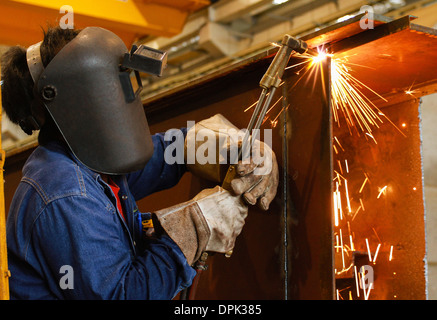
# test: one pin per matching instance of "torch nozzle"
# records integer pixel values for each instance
(294, 44)
(312, 52)
(298, 45)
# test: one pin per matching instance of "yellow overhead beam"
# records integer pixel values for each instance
(21, 20)
(4, 271)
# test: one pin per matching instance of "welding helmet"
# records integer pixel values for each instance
(91, 90)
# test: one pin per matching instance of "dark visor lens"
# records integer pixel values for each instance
(131, 84)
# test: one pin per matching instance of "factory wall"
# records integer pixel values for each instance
(429, 134)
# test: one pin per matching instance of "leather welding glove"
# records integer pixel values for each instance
(257, 180)
(209, 146)
(211, 222)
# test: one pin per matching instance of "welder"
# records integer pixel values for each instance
(75, 207)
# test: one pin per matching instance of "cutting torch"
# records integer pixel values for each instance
(269, 83)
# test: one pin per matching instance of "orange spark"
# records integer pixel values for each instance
(391, 254)
(362, 186)
(376, 253)
(368, 250)
(381, 191)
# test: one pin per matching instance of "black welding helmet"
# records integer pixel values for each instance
(91, 90)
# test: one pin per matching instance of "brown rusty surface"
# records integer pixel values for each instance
(391, 65)
(256, 269)
(310, 185)
(396, 218)
(391, 58)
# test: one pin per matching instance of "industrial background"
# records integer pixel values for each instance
(203, 37)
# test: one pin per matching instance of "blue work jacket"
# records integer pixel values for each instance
(67, 240)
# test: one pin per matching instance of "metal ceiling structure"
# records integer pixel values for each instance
(232, 30)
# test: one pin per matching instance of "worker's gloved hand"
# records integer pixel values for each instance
(211, 221)
(212, 143)
(257, 179)
(225, 215)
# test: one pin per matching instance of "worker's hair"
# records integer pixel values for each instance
(17, 83)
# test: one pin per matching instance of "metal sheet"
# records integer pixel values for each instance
(396, 63)
(254, 270)
(257, 269)
(394, 57)
(310, 184)
(342, 30)
(392, 219)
